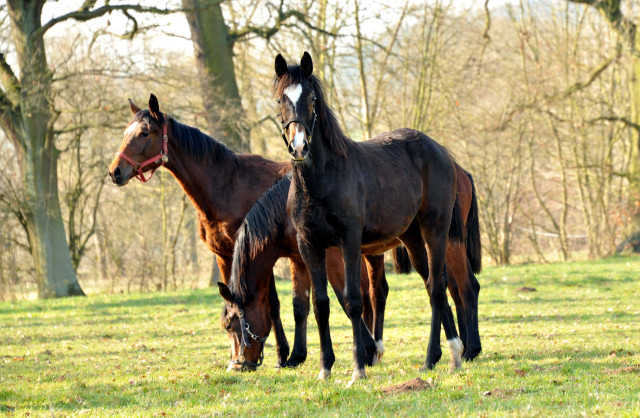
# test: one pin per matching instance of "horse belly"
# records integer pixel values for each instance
(391, 207)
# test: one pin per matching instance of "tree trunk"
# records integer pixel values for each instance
(633, 240)
(214, 56)
(30, 125)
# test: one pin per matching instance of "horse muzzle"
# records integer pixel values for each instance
(119, 176)
(298, 143)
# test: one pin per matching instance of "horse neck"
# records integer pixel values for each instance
(207, 183)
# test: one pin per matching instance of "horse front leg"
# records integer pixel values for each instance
(353, 303)
(315, 260)
(336, 275)
(282, 345)
(301, 283)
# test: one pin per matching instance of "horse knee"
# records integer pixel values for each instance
(300, 309)
(353, 306)
(321, 306)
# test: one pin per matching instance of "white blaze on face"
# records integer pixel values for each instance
(296, 137)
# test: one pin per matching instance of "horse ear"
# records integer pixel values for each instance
(306, 64)
(225, 292)
(135, 109)
(154, 107)
(281, 66)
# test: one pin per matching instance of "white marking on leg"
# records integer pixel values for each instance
(379, 351)
(293, 92)
(455, 349)
(358, 374)
(324, 374)
(131, 129)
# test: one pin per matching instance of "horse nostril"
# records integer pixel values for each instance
(305, 149)
(291, 150)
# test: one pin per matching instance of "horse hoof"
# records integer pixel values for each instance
(432, 360)
(324, 375)
(455, 349)
(293, 362)
(358, 374)
(472, 353)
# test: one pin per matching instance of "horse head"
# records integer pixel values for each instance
(296, 95)
(248, 326)
(144, 146)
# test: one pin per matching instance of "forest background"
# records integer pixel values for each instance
(539, 100)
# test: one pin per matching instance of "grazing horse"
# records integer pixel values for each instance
(222, 186)
(266, 235)
(362, 197)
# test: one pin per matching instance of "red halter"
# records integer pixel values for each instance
(162, 157)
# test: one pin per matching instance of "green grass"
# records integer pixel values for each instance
(567, 349)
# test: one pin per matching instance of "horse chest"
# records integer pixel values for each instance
(217, 238)
(315, 224)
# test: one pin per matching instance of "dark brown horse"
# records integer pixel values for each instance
(259, 244)
(266, 235)
(222, 186)
(362, 197)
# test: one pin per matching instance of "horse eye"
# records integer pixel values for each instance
(145, 134)
(278, 101)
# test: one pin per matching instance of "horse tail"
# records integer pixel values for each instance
(456, 229)
(401, 261)
(474, 246)
(260, 227)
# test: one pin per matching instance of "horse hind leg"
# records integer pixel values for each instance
(468, 289)
(441, 311)
(455, 295)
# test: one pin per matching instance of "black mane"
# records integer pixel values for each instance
(192, 141)
(259, 228)
(335, 136)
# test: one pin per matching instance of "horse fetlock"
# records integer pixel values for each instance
(324, 375)
(358, 374)
(379, 352)
(455, 350)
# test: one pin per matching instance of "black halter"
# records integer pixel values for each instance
(244, 342)
(286, 124)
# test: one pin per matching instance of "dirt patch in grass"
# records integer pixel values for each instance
(525, 289)
(410, 385)
(628, 369)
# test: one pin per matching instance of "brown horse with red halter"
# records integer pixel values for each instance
(222, 186)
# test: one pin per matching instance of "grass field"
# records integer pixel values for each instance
(569, 348)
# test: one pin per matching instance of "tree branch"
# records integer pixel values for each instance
(83, 14)
(10, 82)
(611, 10)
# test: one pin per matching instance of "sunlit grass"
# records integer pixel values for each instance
(569, 348)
